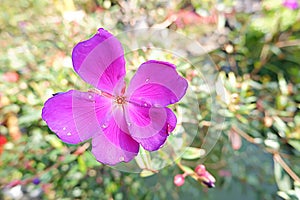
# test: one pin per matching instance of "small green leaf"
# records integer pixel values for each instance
(283, 180)
(146, 173)
(81, 164)
(69, 158)
(90, 160)
(295, 144)
(143, 159)
(280, 126)
(191, 153)
(54, 141)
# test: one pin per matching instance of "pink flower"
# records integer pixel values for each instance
(291, 4)
(179, 180)
(118, 120)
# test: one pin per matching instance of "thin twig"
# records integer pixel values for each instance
(288, 170)
(275, 153)
(289, 43)
(244, 135)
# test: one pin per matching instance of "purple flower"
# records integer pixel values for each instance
(36, 181)
(291, 4)
(118, 120)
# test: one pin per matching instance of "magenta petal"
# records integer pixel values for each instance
(150, 126)
(156, 83)
(74, 116)
(115, 145)
(100, 61)
(291, 4)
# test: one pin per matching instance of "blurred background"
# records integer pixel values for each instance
(255, 46)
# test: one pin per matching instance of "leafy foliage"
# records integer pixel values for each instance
(257, 56)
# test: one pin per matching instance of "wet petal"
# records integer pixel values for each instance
(115, 145)
(100, 61)
(74, 116)
(150, 126)
(156, 83)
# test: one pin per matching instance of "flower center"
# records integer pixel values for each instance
(120, 100)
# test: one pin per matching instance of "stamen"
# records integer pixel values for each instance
(120, 100)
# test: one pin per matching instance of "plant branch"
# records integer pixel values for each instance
(290, 43)
(276, 154)
(286, 168)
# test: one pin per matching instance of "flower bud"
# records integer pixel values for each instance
(200, 169)
(209, 184)
(179, 180)
(207, 179)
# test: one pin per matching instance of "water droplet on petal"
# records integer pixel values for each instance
(147, 79)
(121, 158)
(129, 124)
(69, 134)
(104, 126)
(168, 129)
(145, 104)
(64, 128)
(90, 96)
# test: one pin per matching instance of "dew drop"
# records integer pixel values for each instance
(168, 128)
(121, 158)
(90, 97)
(69, 134)
(147, 79)
(129, 124)
(104, 126)
(145, 104)
(64, 128)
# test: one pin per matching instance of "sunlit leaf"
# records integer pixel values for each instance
(283, 180)
(191, 153)
(82, 164)
(146, 173)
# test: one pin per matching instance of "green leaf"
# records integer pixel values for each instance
(82, 165)
(280, 126)
(90, 160)
(143, 159)
(283, 180)
(146, 173)
(295, 144)
(54, 141)
(69, 158)
(191, 153)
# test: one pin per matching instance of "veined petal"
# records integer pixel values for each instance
(74, 116)
(149, 126)
(156, 141)
(100, 61)
(156, 83)
(115, 145)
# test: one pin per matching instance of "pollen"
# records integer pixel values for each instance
(120, 100)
